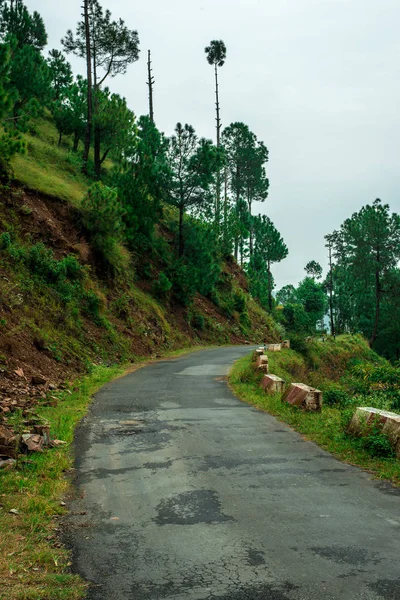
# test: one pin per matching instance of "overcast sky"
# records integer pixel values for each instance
(317, 80)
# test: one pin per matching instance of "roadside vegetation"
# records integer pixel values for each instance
(119, 242)
(33, 563)
(350, 374)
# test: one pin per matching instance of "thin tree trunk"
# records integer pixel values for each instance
(331, 293)
(97, 131)
(97, 145)
(218, 190)
(106, 153)
(88, 133)
(269, 287)
(378, 294)
(217, 107)
(237, 204)
(150, 83)
(251, 244)
(226, 249)
(59, 138)
(76, 141)
(181, 211)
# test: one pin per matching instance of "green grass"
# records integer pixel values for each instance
(33, 565)
(48, 168)
(327, 428)
(51, 169)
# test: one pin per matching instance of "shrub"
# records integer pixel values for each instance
(244, 320)
(239, 301)
(162, 285)
(102, 216)
(91, 305)
(298, 343)
(378, 444)
(5, 240)
(198, 321)
(184, 283)
(374, 440)
(336, 396)
(215, 297)
(41, 262)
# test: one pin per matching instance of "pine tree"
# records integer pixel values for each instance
(10, 141)
(269, 248)
(29, 80)
(216, 55)
(26, 29)
(109, 47)
(313, 269)
(367, 249)
(60, 73)
(193, 164)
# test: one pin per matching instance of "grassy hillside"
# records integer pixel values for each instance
(61, 313)
(48, 168)
(350, 374)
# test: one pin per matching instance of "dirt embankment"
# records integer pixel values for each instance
(43, 334)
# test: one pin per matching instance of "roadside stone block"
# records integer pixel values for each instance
(262, 363)
(272, 384)
(274, 347)
(286, 344)
(388, 422)
(300, 394)
(257, 353)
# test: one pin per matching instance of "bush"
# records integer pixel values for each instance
(298, 343)
(198, 321)
(5, 240)
(102, 216)
(378, 444)
(91, 305)
(162, 285)
(184, 283)
(336, 396)
(215, 297)
(239, 301)
(66, 276)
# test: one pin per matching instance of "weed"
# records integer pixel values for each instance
(375, 441)
(336, 396)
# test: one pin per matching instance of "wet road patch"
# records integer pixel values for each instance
(191, 508)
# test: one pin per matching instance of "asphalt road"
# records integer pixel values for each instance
(186, 493)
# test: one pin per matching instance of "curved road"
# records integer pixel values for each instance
(186, 493)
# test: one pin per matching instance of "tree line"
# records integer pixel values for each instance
(137, 169)
(361, 291)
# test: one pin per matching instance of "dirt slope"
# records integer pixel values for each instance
(57, 328)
